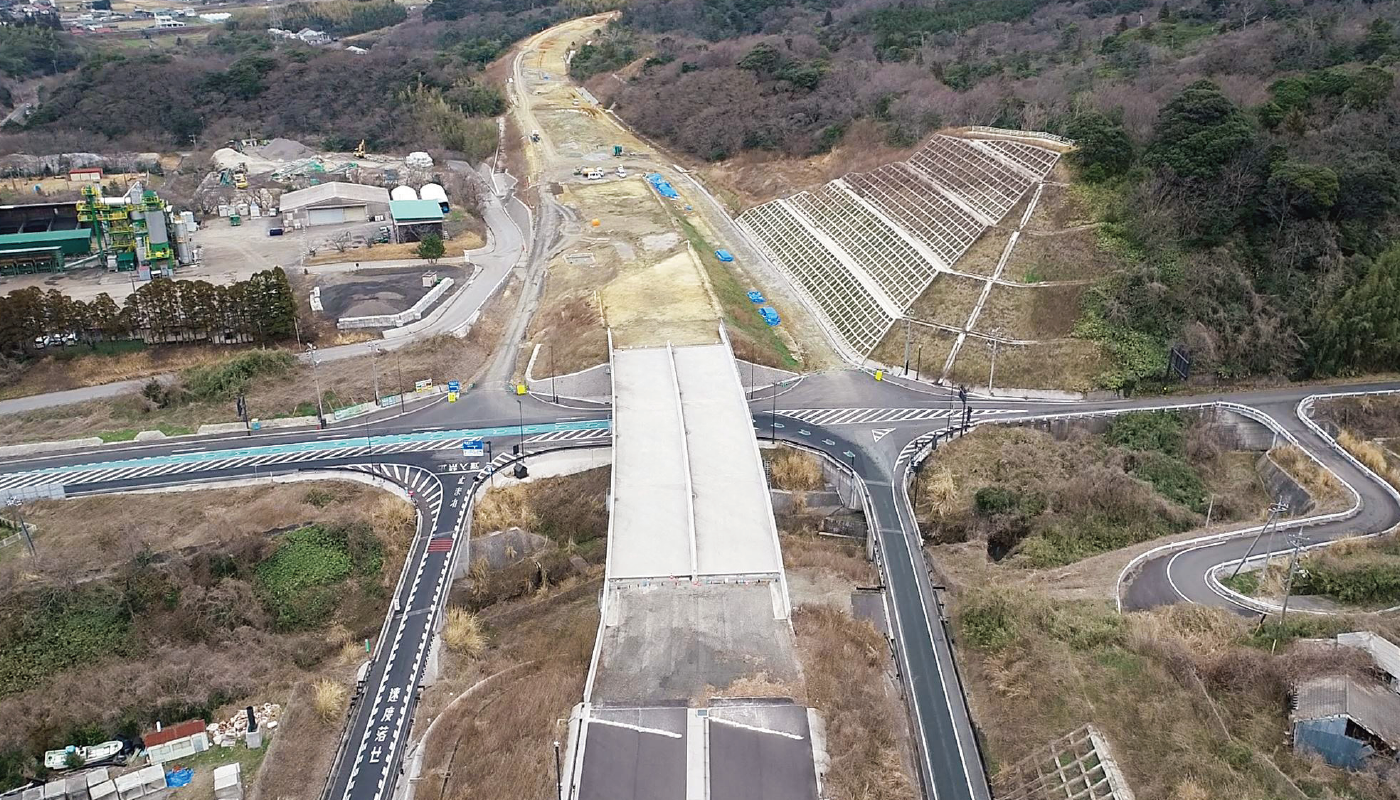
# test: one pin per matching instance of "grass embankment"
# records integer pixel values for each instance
(184, 605)
(569, 511)
(1362, 573)
(752, 339)
(793, 470)
(274, 383)
(1192, 702)
(1041, 502)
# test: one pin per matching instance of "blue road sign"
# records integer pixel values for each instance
(454, 386)
(473, 447)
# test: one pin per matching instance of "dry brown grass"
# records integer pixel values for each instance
(795, 471)
(51, 374)
(1033, 312)
(506, 507)
(841, 558)
(1372, 455)
(949, 300)
(300, 755)
(95, 534)
(498, 742)
(466, 240)
(1064, 364)
(462, 632)
(1185, 702)
(848, 674)
(328, 698)
(1324, 487)
(928, 349)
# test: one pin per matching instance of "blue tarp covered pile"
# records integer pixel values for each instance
(662, 185)
(179, 777)
(724, 255)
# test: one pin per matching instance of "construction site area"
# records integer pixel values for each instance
(639, 257)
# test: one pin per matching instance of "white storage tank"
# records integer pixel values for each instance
(434, 192)
(403, 193)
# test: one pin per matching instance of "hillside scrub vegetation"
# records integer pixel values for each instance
(1191, 699)
(1246, 150)
(244, 79)
(167, 607)
(1041, 501)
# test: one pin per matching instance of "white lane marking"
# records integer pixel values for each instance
(880, 433)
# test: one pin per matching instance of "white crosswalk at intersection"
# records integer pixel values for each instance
(862, 416)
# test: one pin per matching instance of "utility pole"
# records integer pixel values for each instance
(558, 773)
(553, 382)
(919, 367)
(521, 408)
(992, 373)
(374, 367)
(967, 412)
(906, 346)
(316, 376)
(1295, 539)
(773, 415)
(16, 504)
(399, 363)
(1274, 510)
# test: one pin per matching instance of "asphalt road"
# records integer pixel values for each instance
(875, 427)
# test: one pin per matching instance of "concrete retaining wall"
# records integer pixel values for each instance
(1282, 485)
(403, 317)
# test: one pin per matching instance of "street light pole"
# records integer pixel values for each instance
(374, 367)
(521, 408)
(773, 415)
(399, 363)
(316, 376)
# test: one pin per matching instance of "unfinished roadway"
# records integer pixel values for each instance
(695, 609)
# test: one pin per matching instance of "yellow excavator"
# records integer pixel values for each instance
(360, 151)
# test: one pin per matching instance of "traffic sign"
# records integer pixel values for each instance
(520, 388)
(451, 397)
(454, 386)
(473, 447)
(423, 385)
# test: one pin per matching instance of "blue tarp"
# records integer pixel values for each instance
(724, 255)
(769, 316)
(180, 777)
(662, 185)
(756, 296)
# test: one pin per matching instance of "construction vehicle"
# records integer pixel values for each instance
(360, 150)
(240, 177)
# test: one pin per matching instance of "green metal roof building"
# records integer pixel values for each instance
(42, 251)
(414, 218)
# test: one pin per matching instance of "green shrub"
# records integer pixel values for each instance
(55, 629)
(996, 500)
(1162, 431)
(300, 583)
(1375, 580)
(224, 380)
(988, 622)
(1173, 478)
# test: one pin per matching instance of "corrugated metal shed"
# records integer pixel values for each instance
(1383, 652)
(333, 194)
(72, 242)
(1372, 707)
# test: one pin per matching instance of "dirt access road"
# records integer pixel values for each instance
(632, 261)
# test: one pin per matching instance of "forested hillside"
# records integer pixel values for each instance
(418, 87)
(1243, 154)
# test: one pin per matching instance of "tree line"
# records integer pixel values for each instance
(260, 309)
